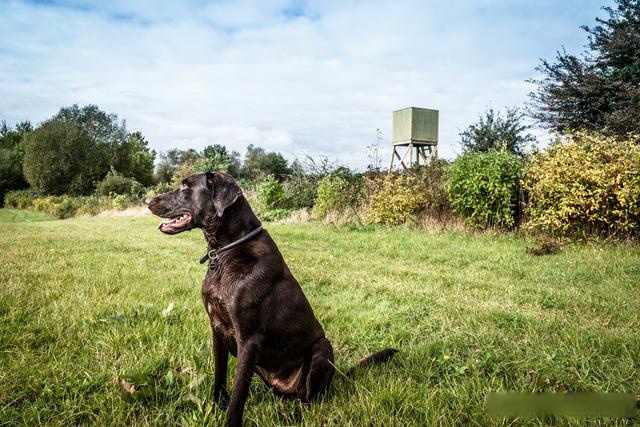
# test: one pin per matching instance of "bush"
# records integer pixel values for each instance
(60, 206)
(337, 193)
(412, 196)
(274, 214)
(115, 183)
(484, 188)
(93, 205)
(65, 206)
(395, 199)
(586, 184)
(299, 192)
(270, 193)
(432, 182)
(161, 187)
(20, 199)
(252, 197)
(186, 169)
(119, 201)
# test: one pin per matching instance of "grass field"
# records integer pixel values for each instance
(17, 215)
(84, 304)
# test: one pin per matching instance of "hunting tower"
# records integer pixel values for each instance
(417, 130)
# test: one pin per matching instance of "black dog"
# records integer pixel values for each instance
(256, 308)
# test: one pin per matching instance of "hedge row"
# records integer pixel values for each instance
(67, 206)
(583, 184)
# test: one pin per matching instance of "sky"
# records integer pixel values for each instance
(298, 77)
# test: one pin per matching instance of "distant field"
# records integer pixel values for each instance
(82, 304)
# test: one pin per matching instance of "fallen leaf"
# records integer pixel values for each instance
(127, 387)
(167, 311)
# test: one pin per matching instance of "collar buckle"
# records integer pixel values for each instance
(214, 261)
(213, 257)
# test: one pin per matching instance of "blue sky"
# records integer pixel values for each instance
(299, 77)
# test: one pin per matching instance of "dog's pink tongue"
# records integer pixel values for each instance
(164, 223)
(174, 223)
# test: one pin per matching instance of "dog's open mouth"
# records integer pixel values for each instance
(175, 224)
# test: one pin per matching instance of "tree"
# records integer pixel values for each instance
(61, 158)
(259, 164)
(171, 161)
(319, 168)
(234, 164)
(177, 164)
(599, 90)
(127, 153)
(253, 163)
(277, 166)
(495, 132)
(11, 156)
(214, 158)
(136, 159)
(297, 169)
(107, 133)
(73, 151)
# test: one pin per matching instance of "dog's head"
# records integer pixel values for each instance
(200, 200)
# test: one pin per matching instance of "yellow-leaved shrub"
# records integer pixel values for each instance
(395, 200)
(586, 184)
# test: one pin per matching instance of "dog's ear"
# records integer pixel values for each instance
(224, 190)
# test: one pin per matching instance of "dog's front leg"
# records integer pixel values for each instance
(247, 355)
(221, 352)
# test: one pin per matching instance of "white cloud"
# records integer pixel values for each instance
(297, 77)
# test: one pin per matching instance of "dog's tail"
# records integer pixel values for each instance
(378, 357)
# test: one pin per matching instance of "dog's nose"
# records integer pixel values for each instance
(147, 201)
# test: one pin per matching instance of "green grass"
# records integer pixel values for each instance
(17, 215)
(82, 301)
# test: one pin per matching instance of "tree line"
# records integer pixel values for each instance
(73, 151)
